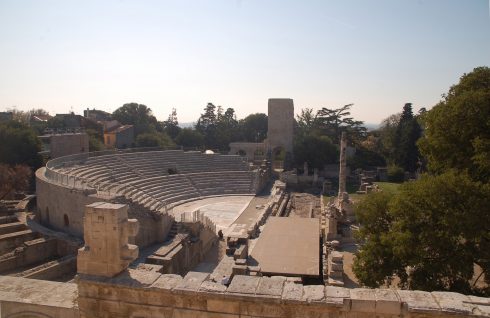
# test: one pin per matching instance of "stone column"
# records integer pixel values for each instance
(106, 231)
(343, 166)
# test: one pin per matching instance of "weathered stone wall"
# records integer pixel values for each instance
(54, 201)
(68, 144)
(136, 294)
(22, 298)
(280, 124)
(149, 294)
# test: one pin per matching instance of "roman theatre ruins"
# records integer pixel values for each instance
(173, 233)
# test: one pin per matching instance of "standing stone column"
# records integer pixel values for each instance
(343, 166)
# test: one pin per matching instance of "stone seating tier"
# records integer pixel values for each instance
(144, 177)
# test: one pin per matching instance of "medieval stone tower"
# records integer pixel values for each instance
(281, 127)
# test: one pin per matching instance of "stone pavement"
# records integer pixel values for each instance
(223, 211)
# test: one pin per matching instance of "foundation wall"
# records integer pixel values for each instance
(32, 252)
(50, 271)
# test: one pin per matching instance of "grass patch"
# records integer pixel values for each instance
(390, 187)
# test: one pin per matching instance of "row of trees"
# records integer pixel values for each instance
(214, 129)
(434, 232)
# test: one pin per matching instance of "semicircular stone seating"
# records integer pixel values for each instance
(160, 180)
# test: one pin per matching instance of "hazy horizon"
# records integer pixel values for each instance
(68, 56)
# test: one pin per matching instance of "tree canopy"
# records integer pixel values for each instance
(13, 179)
(334, 121)
(19, 145)
(317, 151)
(138, 115)
(433, 231)
(405, 152)
(457, 130)
(430, 234)
(253, 128)
(171, 125)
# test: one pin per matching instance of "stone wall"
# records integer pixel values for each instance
(22, 298)
(67, 144)
(54, 201)
(137, 294)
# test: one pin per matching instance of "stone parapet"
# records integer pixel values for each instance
(135, 293)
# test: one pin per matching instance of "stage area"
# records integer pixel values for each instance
(221, 210)
(289, 247)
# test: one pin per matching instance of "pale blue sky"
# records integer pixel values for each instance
(63, 55)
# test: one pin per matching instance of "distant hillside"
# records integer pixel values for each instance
(371, 126)
(187, 125)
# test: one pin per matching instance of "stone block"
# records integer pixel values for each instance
(222, 305)
(336, 295)
(239, 270)
(313, 293)
(271, 287)
(387, 302)
(167, 281)
(192, 281)
(244, 284)
(212, 287)
(136, 278)
(337, 256)
(241, 261)
(417, 301)
(363, 300)
(453, 303)
(292, 291)
(480, 305)
(339, 267)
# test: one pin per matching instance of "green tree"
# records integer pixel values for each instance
(189, 137)
(439, 225)
(206, 125)
(457, 129)
(307, 123)
(429, 234)
(366, 159)
(375, 263)
(406, 153)
(95, 140)
(334, 121)
(317, 151)
(387, 136)
(138, 115)
(253, 128)
(226, 128)
(171, 125)
(154, 139)
(19, 145)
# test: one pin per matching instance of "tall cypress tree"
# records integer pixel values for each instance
(406, 153)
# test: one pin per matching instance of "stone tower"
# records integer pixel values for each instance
(280, 123)
(106, 230)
